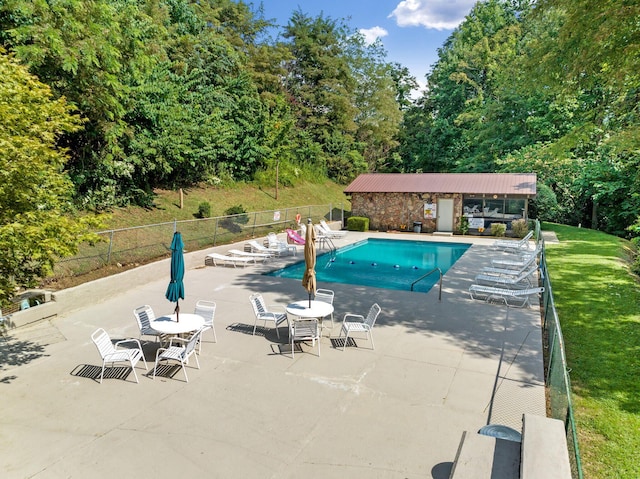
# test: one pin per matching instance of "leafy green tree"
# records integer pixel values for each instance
(35, 229)
(462, 91)
(91, 53)
(320, 85)
(585, 53)
(376, 97)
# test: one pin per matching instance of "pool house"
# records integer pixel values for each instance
(435, 202)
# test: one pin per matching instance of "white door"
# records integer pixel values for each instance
(445, 215)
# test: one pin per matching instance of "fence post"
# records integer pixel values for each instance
(253, 228)
(110, 246)
(215, 232)
(330, 212)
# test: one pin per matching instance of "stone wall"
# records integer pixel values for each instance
(398, 211)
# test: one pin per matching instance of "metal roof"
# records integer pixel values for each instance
(468, 183)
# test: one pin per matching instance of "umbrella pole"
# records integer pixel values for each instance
(177, 311)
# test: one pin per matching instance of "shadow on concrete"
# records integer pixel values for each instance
(15, 353)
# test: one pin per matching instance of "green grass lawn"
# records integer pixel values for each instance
(598, 302)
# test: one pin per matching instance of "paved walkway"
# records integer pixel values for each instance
(439, 368)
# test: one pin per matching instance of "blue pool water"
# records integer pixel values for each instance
(382, 263)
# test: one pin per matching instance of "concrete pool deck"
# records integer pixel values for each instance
(439, 368)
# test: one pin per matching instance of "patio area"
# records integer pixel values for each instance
(439, 368)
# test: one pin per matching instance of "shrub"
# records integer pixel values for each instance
(520, 228)
(357, 223)
(498, 229)
(464, 225)
(204, 210)
(238, 210)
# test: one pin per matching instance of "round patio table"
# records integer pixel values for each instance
(301, 309)
(188, 322)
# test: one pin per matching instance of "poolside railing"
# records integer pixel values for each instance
(429, 274)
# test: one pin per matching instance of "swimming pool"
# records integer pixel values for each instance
(382, 263)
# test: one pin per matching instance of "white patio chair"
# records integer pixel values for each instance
(356, 323)
(304, 330)
(206, 309)
(144, 315)
(179, 354)
(110, 353)
(262, 313)
(325, 295)
(276, 244)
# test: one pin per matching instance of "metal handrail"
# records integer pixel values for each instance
(428, 274)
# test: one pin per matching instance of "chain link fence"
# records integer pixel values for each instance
(557, 379)
(142, 244)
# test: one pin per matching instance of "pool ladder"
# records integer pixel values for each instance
(428, 274)
(327, 241)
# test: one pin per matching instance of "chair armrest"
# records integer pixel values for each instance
(353, 317)
(132, 340)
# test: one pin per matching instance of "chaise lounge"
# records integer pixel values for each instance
(488, 293)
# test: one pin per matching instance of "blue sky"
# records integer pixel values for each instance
(410, 30)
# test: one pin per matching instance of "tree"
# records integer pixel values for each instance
(376, 95)
(320, 86)
(35, 229)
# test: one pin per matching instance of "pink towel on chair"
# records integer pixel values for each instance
(295, 237)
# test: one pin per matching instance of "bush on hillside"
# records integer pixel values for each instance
(204, 210)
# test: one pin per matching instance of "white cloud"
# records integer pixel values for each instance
(437, 14)
(372, 34)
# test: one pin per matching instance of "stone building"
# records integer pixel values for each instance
(435, 202)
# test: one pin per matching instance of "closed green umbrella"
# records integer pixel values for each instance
(309, 277)
(175, 290)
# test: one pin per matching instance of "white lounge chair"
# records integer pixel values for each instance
(516, 261)
(246, 254)
(510, 271)
(334, 234)
(487, 293)
(514, 245)
(356, 323)
(258, 248)
(110, 353)
(523, 279)
(224, 260)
